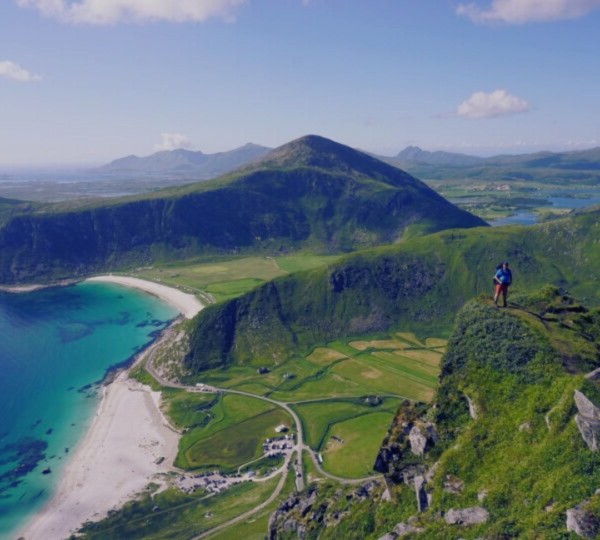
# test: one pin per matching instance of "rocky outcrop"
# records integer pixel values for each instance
(421, 437)
(579, 522)
(431, 472)
(402, 529)
(422, 501)
(453, 485)
(302, 515)
(588, 420)
(418, 441)
(593, 375)
(467, 516)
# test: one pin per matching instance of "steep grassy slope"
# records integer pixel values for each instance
(423, 282)
(506, 443)
(310, 193)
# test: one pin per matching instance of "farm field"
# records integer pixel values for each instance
(400, 366)
(352, 445)
(234, 434)
(349, 390)
(318, 417)
(230, 278)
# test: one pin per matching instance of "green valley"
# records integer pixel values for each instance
(349, 375)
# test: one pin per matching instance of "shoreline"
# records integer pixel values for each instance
(114, 462)
(116, 459)
(187, 304)
(120, 453)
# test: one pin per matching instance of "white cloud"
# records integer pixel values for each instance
(524, 11)
(496, 103)
(101, 12)
(15, 72)
(172, 141)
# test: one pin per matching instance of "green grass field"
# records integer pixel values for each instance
(238, 444)
(328, 388)
(233, 435)
(232, 277)
(318, 417)
(362, 437)
(400, 366)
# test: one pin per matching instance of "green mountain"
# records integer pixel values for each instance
(508, 449)
(311, 193)
(419, 284)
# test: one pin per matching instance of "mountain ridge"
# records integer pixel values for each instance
(421, 282)
(185, 162)
(311, 193)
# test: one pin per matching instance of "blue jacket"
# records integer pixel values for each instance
(504, 276)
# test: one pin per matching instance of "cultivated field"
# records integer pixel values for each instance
(345, 393)
(229, 278)
(233, 435)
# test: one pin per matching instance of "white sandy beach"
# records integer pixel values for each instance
(187, 304)
(117, 458)
(115, 461)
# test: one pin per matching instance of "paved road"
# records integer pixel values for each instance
(299, 446)
(297, 451)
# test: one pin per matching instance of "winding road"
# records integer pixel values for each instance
(297, 450)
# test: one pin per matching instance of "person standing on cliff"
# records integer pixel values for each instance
(502, 280)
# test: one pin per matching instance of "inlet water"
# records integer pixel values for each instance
(56, 345)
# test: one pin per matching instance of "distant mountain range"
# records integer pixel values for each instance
(581, 166)
(549, 167)
(415, 154)
(185, 163)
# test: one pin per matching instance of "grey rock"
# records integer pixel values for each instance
(453, 485)
(585, 407)
(290, 525)
(422, 503)
(432, 433)
(406, 475)
(593, 375)
(418, 441)
(589, 430)
(305, 506)
(402, 529)
(588, 420)
(386, 495)
(482, 495)
(388, 536)
(431, 471)
(579, 523)
(526, 426)
(467, 516)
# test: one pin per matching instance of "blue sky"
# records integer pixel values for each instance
(88, 81)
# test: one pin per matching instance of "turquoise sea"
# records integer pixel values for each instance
(56, 345)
